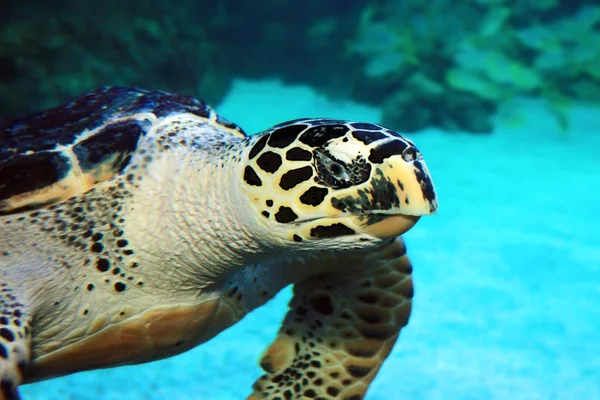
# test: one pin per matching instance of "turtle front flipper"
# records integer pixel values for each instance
(340, 327)
(15, 339)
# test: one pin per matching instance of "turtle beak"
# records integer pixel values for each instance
(405, 190)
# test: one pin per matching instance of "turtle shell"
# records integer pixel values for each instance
(62, 152)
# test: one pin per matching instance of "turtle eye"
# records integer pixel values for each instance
(332, 172)
(338, 171)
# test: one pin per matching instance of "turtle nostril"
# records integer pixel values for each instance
(411, 154)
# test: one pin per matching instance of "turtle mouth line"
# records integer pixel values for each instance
(379, 215)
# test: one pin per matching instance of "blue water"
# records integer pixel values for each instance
(507, 274)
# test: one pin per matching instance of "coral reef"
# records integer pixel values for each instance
(46, 59)
(437, 63)
(461, 60)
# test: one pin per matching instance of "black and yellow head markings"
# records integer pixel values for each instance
(324, 178)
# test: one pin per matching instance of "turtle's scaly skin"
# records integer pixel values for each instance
(135, 225)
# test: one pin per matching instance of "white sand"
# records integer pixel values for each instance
(507, 274)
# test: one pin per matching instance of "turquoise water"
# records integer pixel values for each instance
(507, 275)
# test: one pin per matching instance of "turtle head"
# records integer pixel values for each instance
(336, 183)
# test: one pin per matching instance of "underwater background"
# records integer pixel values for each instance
(501, 96)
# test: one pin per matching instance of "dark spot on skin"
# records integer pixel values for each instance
(3, 353)
(335, 230)
(358, 371)
(267, 366)
(370, 317)
(361, 352)
(387, 150)
(122, 243)
(269, 161)
(7, 334)
(90, 287)
(294, 177)
(318, 136)
(285, 215)
(297, 238)
(332, 391)
(376, 333)
(266, 214)
(283, 137)
(251, 178)
(269, 203)
(258, 146)
(369, 137)
(322, 304)
(298, 154)
(120, 286)
(232, 291)
(97, 247)
(102, 264)
(96, 237)
(314, 196)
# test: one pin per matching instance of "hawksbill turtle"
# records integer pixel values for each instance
(137, 224)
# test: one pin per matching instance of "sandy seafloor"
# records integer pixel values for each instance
(507, 274)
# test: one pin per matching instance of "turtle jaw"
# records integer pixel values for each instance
(391, 226)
